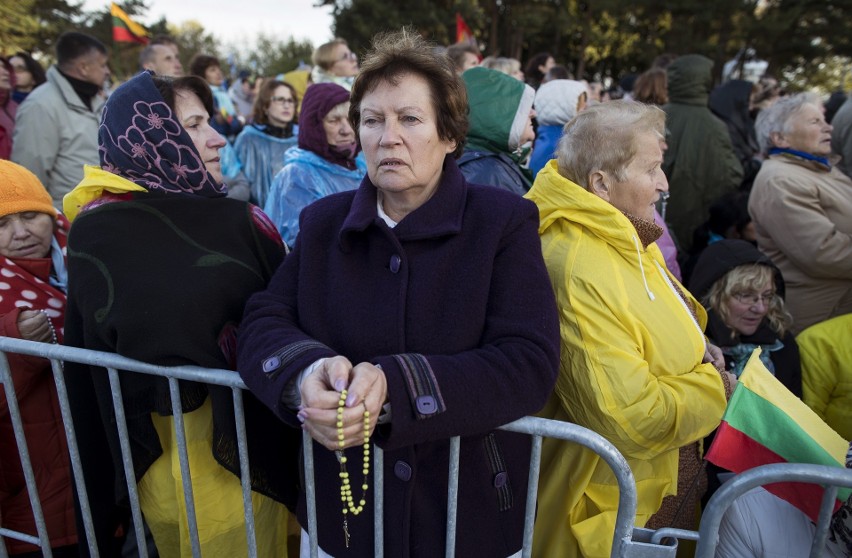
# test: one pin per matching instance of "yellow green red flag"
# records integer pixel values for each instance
(765, 423)
(124, 29)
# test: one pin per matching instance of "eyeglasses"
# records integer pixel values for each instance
(752, 298)
(283, 100)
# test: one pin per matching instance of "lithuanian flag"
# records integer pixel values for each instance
(124, 29)
(765, 423)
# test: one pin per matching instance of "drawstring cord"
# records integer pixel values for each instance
(642, 268)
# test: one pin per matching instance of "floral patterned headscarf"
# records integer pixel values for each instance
(140, 139)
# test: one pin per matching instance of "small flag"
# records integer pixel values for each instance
(765, 423)
(124, 29)
(463, 32)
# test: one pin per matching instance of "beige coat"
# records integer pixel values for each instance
(802, 213)
(56, 134)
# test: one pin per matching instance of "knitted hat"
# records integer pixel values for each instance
(21, 190)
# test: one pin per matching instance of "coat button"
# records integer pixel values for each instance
(426, 405)
(271, 364)
(402, 470)
(395, 262)
(500, 479)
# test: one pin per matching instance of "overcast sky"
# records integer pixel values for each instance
(238, 21)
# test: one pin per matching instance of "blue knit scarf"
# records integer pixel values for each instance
(801, 155)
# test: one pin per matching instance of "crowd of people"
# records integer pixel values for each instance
(398, 249)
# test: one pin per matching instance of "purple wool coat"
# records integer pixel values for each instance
(455, 305)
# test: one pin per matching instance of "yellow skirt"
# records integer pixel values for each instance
(217, 494)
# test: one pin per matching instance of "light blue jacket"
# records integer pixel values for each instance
(305, 178)
(262, 156)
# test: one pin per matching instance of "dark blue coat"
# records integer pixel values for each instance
(455, 304)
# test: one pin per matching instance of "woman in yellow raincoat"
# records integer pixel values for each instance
(635, 365)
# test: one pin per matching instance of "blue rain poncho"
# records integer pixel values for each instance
(262, 156)
(305, 178)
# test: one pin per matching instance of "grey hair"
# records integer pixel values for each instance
(776, 118)
(604, 138)
(506, 65)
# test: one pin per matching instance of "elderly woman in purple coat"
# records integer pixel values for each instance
(411, 310)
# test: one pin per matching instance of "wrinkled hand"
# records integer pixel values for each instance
(367, 388)
(713, 355)
(34, 326)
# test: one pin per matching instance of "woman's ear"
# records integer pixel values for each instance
(598, 185)
(778, 140)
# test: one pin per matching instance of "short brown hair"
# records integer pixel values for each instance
(324, 57)
(200, 62)
(168, 88)
(264, 98)
(652, 87)
(400, 53)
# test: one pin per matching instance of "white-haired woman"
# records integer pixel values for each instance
(635, 365)
(802, 210)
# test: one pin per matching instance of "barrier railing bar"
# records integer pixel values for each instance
(825, 509)
(624, 476)
(536, 427)
(74, 453)
(24, 452)
(453, 496)
(310, 492)
(532, 493)
(17, 535)
(185, 473)
(245, 472)
(671, 532)
(127, 460)
(711, 519)
(378, 500)
(227, 378)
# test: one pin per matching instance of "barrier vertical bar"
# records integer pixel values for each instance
(74, 452)
(127, 460)
(24, 452)
(310, 492)
(245, 471)
(185, 473)
(378, 500)
(532, 495)
(453, 496)
(825, 510)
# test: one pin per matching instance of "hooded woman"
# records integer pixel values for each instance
(731, 102)
(556, 102)
(32, 306)
(743, 293)
(501, 112)
(635, 365)
(325, 161)
(161, 265)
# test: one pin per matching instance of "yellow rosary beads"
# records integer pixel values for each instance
(345, 485)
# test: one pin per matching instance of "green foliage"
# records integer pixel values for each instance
(804, 41)
(18, 27)
(272, 56)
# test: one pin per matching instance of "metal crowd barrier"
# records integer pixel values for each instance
(628, 541)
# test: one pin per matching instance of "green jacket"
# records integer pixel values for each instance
(700, 162)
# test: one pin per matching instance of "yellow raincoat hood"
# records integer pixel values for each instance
(95, 182)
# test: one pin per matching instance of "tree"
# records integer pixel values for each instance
(271, 56)
(18, 27)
